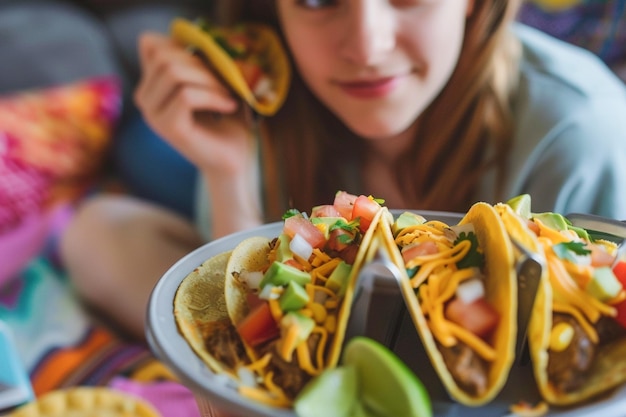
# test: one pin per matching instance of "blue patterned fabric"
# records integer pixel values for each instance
(597, 25)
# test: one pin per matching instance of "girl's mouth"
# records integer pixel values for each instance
(374, 88)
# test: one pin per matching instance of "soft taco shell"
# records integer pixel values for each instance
(279, 69)
(200, 308)
(500, 291)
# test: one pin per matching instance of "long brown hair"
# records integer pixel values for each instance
(308, 152)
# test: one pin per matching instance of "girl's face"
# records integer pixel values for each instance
(377, 64)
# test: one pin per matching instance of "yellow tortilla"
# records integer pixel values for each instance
(500, 291)
(190, 34)
(252, 255)
(609, 368)
(200, 308)
(87, 402)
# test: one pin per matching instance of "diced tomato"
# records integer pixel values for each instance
(258, 326)
(339, 239)
(325, 210)
(419, 249)
(306, 229)
(620, 317)
(479, 317)
(349, 254)
(533, 226)
(365, 209)
(253, 300)
(294, 263)
(344, 202)
(600, 257)
(620, 272)
(251, 72)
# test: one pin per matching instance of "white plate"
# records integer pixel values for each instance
(167, 344)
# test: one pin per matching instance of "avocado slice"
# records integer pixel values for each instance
(305, 324)
(406, 219)
(338, 279)
(603, 285)
(281, 274)
(294, 297)
(282, 251)
(521, 205)
(552, 220)
(326, 223)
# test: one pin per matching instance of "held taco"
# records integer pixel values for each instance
(249, 57)
(460, 287)
(577, 332)
(286, 300)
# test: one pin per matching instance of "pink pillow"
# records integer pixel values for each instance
(52, 146)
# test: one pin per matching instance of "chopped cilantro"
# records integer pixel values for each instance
(474, 257)
(351, 227)
(290, 213)
(412, 271)
(571, 251)
(380, 201)
(344, 225)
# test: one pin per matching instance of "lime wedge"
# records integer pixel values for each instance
(332, 393)
(387, 387)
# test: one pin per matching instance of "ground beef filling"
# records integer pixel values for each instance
(287, 375)
(222, 342)
(467, 368)
(568, 369)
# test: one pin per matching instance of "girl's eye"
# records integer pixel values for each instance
(316, 4)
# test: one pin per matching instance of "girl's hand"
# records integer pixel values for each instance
(189, 106)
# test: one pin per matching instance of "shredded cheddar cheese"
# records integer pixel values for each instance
(437, 280)
(429, 263)
(586, 326)
(569, 280)
(260, 363)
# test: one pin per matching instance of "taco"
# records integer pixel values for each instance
(248, 56)
(577, 331)
(202, 318)
(286, 300)
(460, 288)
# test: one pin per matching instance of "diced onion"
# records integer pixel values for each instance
(300, 247)
(246, 377)
(268, 292)
(462, 228)
(251, 278)
(263, 87)
(470, 290)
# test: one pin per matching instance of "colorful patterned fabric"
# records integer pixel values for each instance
(597, 25)
(52, 144)
(61, 345)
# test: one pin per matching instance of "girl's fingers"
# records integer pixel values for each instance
(171, 68)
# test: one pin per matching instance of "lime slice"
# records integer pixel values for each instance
(387, 387)
(332, 393)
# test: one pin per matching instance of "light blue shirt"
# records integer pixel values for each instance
(569, 148)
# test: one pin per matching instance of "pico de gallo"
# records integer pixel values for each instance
(295, 302)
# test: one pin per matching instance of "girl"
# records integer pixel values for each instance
(429, 104)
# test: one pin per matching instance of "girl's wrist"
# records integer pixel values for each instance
(235, 202)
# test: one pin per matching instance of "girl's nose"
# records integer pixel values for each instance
(369, 33)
